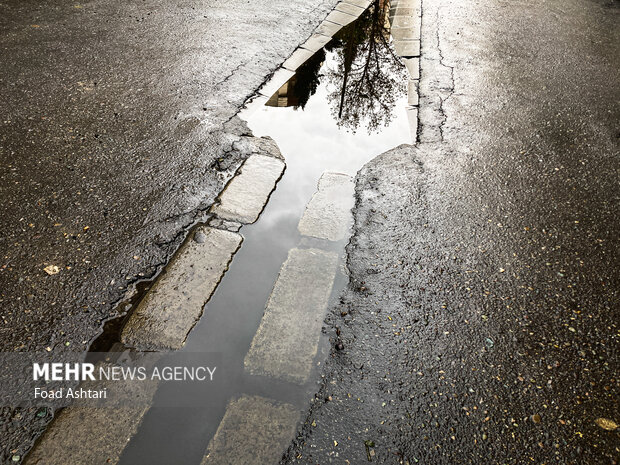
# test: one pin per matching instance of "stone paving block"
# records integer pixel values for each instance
(350, 9)
(297, 59)
(361, 3)
(412, 116)
(316, 42)
(405, 33)
(247, 193)
(105, 430)
(174, 304)
(404, 21)
(407, 12)
(327, 28)
(407, 48)
(328, 214)
(341, 18)
(413, 66)
(254, 430)
(279, 78)
(412, 92)
(413, 4)
(287, 339)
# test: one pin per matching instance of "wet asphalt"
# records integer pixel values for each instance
(117, 132)
(480, 324)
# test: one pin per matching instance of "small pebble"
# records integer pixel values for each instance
(200, 237)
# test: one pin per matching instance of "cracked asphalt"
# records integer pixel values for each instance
(117, 133)
(490, 333)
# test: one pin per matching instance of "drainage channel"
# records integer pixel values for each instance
(332, 107)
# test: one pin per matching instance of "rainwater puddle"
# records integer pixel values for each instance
(345, 106)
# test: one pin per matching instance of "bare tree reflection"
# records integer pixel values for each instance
(368, 77)
(308, 78)
(365, 77)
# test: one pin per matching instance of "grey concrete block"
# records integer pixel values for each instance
(286, 342)
(405, 33)
(328, 214)
(404, 21)
(247, 193)
(413, 4)
(412, 116)
(316, 42)
(297, 59)
(353, 10)
(279, 78)
(413, 95)
(174, 304)
(407, 48)
(327, 28)
(341, 18)
(254, 430)
(81, 434)
(413, 66)
(361, 3)
(409, 12)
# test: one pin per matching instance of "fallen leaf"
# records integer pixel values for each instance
(51, 269)
(606, 424)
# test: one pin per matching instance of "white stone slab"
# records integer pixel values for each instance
(247, 193)
(404, 21)
(413, 96)
(341, 18)
(415, 4)
(405, 33)
(412, 116)
(361, 3)
(286, 342)
(350, 9)
(316, 42)
(327, 28)
(279, 78)
(297, 59)
(174, 304)
(328, 214)
(407, 48)
(413, 66)
(254, 430)
(400, 11)
(84, 435)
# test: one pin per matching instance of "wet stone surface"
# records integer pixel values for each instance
(174, 304)
(287, 340)
(254, 430)
(246, 195)
(328, 214)
(88, 434)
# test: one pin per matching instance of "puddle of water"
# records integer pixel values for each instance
(331, 116)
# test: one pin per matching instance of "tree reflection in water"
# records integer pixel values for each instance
(364, 76)
(368, 77)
